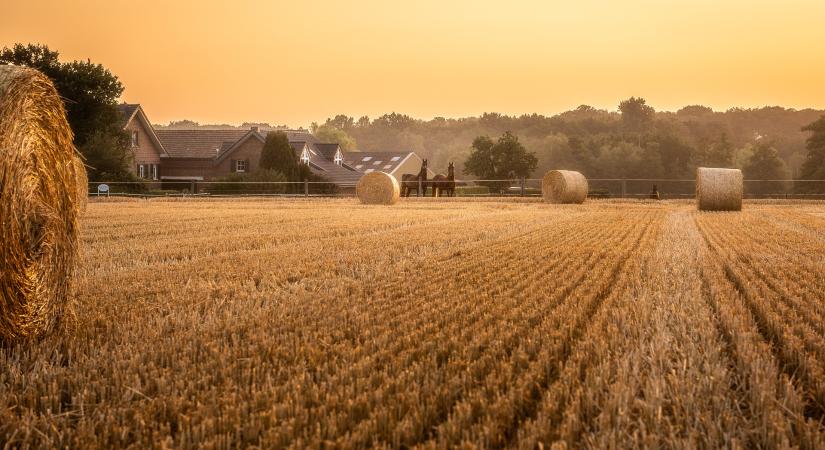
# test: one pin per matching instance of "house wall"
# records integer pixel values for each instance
(250, 151)
(146, 152)
(188, 167)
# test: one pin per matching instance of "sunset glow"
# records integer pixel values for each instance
(298, 62)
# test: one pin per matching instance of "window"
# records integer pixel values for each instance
(395, 158)
(359, 166)
(305, 157)
(154, 171)
(366, 158)
(240, 165)
(141, 172)
(134, 138)
(368, 170)
(388, 166)
(376, 163)
(339, 159)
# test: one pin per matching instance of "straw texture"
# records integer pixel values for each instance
(718, 189)
(42, 189)
(564, 186)
(378, 188)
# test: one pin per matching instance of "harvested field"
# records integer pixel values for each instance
(327, 323)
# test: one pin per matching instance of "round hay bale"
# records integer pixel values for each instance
(718, 189)
(564, 186)
(378, 188)
(40, 173)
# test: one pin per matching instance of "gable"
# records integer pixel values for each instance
(250, 142)
(148, 146)
(148, 141)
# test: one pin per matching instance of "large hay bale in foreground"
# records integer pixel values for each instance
(378, 188)
(564, 186)
(40, 198)
(718, 189)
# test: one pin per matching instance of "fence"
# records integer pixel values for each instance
(526, 187)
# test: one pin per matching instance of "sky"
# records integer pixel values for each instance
(296, 62)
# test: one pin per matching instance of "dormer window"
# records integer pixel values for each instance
(134, 138)
(305, 157)
(339, 158)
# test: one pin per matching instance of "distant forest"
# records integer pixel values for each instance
(635, 142)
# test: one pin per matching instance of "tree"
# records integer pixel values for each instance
(505, 159)
(341, 121)
(278, 155)
(328, 133)
(694, 111)
(636, 114)
(717, 154)
(814, 166)
(765, 164)
(90, 94)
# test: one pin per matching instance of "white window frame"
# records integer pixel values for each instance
(134, 139)
(240, 165)
(305, 157)
(339, 158)
(154, 172)
(141, 171)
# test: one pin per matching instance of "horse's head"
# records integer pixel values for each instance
(423, 172)
(451, 169)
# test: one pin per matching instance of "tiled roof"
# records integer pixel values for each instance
(201, 143)
(197, 143)
(375, 161)
(334, 173)
(326, 149)
(127, 110)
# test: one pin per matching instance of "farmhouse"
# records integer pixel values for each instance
(175, 156)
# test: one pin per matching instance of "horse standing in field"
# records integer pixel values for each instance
(410, 182)
(442, 183)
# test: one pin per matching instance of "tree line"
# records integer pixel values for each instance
(634, 142)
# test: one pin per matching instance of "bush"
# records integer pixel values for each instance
(243, 183)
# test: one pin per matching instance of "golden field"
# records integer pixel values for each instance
(433, 324)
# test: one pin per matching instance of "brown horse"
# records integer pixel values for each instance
(410, 182)
(442, 183)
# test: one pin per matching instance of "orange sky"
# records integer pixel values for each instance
(296, 62)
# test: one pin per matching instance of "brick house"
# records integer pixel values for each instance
(179, 158)
(147, 150)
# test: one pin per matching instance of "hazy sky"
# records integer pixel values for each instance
(296, 62)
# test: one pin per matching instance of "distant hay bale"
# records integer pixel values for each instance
(40, 199)
(378, 188)
(718, 189)
(564, 186)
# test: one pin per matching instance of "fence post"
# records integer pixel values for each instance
(306, 187)
(523, 181)
(624, 188)
(420, 184)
